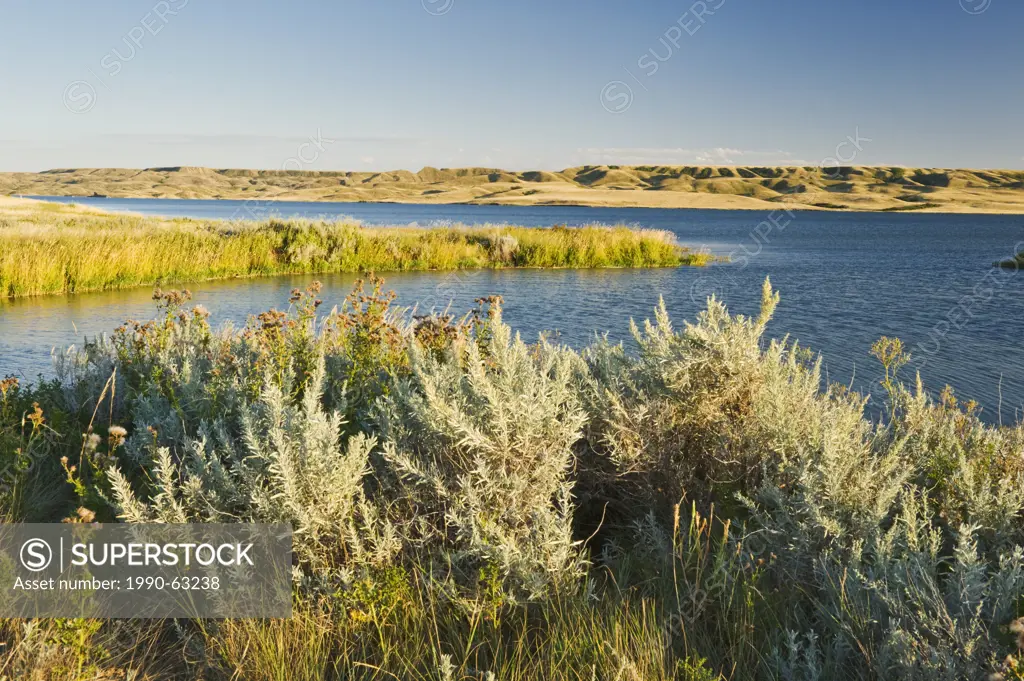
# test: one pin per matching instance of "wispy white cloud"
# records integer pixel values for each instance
(681, 156)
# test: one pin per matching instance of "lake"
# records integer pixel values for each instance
(845, 280)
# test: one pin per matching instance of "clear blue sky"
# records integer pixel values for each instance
(527, 84)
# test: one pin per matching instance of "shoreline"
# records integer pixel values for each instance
(796, 208)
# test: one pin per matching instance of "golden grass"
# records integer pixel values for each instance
(54, 248)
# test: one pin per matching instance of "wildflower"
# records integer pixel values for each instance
(92, 442)
(8, 384)
(171, 299)
(1017, 627)
(82, 515)
(117, 436)
(36, 417)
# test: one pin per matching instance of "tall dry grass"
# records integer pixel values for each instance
(48, 249)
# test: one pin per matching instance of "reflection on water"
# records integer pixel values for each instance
(845, 280)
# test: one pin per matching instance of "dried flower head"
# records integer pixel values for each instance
(92, 442)
(117, 436)
(7, 385)
(82, 515)
(171, 300)
(1017, 627)
(36, 416)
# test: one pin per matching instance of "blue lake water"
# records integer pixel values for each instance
(845, 280)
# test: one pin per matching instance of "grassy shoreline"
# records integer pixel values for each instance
(56, 248)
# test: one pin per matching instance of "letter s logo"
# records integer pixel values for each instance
(36, 555)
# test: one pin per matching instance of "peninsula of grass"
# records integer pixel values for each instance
(55, 249)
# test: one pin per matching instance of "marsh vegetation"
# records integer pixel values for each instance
(53, 248)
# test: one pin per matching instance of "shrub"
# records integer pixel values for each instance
(894, 547)
(695, 503)
(286, 465)
(478, 448)
(702, 413)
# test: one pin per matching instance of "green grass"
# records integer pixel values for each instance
(418, 637)
(54, 249)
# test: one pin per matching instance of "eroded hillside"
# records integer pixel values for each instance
(853, 188)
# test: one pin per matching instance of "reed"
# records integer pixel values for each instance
(54, 249)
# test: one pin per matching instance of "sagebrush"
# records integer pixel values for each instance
(693, 505)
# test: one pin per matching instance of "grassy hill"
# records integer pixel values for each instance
(810, 187)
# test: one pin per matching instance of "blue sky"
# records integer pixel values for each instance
(533, 84)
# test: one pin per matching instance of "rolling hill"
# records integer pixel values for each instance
(805, 187)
